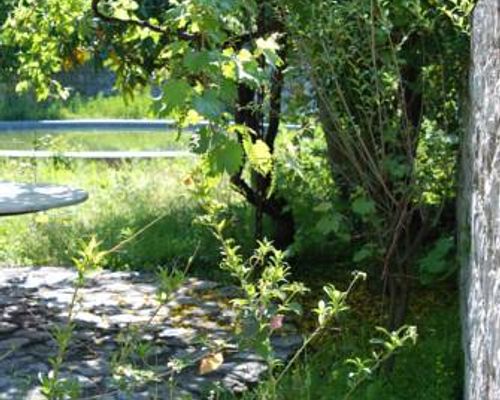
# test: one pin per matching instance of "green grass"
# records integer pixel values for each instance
(94, 141)
(23, 107)
(123, 199)
(107, 107)
(430, 370)
(15, 106)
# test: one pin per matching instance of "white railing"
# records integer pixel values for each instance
(93, 125)
(80, 125)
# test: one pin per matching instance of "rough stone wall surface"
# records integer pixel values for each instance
(479, 211)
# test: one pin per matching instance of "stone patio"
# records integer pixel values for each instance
(114, 310)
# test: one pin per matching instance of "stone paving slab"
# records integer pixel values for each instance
(114, 305)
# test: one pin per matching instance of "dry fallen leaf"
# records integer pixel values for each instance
(188, 180)
(211, 363)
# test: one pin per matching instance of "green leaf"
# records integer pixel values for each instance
(196, 61)
(328, 224)
(247, 68)
(295, 308)
(396, 168)
(227, 91)
(363, 206)
(209, 105)
(22, 86)
(176, 94)
(244, 56)
(229, 70)
(437, 263)
(323, 207)
(201, 142)
(259, 155)
(269, 47)
(120, 13)
(364, 253)
(227, 157)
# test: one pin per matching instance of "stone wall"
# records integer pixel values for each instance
(479, 211)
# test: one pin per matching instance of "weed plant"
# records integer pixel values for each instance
(268, 297)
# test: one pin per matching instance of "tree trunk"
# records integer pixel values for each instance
(257, 193)
(479, 211)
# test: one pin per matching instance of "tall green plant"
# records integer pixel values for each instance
(387, 77)
(267, 298)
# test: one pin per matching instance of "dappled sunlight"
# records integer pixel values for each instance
(117, 310)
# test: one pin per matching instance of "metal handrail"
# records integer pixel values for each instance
(81, 125)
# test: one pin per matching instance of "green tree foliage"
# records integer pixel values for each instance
(388, 76)
(223, 61)
(6, 50)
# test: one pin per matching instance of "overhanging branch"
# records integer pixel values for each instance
(137, 22)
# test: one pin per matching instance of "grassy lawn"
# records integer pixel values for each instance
(22, 107)
(94, 141)
(430, 370)
(123, 199)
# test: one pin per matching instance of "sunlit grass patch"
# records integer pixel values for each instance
(95, 141)
(122, 199)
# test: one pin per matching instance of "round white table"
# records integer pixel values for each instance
(22, 198)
